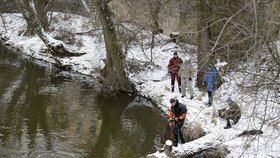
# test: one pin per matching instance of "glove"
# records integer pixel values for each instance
(190, 79)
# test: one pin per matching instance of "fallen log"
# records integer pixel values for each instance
(197, 146)
(60, 50)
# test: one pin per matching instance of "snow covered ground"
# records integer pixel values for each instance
(154, 82)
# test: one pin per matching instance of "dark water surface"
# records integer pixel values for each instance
(51, 115)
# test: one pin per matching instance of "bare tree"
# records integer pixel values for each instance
(41, 8)
(155, 8)
(115, 77)
(56, 48)
(243, 33)
(203, 40)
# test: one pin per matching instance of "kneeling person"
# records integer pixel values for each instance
(232, 113)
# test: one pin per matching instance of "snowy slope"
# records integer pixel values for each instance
(154, 82)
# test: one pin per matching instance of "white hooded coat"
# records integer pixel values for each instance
(186, 72)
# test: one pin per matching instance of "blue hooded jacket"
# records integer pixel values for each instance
(210, 78)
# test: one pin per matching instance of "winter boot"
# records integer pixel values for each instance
(182, 138)
(172, 85)
(228, 125)
(175, 143)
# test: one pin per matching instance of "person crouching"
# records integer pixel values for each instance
(233, 113)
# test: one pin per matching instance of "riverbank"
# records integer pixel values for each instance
(150, 78)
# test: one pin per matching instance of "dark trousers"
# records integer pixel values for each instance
(178, 132)
(210, 97)
(174, 76)
(228, 122)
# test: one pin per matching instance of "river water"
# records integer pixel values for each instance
(52, 115)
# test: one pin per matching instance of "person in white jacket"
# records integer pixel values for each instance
(186, 72)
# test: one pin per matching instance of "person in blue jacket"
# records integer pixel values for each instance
(210, 80)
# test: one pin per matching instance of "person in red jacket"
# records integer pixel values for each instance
(173, 67)
(177, 115)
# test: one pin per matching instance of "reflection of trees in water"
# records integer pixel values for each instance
(29, 114)
(125, 130)
(10, 96)
(110, 113)
(35, 106)
(18, 112)
(52, 115)
(72, 112)
(143, 126)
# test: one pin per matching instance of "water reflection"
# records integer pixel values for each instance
(50, 115)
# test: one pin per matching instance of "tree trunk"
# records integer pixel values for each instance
(203, 42)
(55, 47)
(154, 11)
(22, 7)
(42, 13)
(115, 78)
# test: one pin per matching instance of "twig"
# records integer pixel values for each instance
(4, 24)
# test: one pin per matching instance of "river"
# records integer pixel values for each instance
(57, 115)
